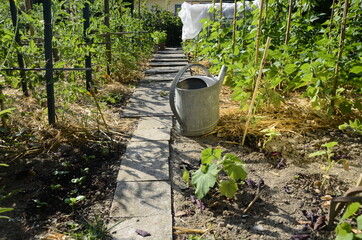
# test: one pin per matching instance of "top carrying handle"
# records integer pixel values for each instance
(173, 89)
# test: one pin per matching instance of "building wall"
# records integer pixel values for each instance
(169, 5)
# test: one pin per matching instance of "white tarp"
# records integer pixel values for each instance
(191, 15)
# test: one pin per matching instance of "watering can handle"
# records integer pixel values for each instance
(173, 89)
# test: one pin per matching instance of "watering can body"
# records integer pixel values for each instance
(195, 101)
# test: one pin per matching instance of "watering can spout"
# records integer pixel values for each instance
(222, 74)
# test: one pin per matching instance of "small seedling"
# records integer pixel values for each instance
(73, 201)
(209, 173)
(270, 134)
(355, 126)
(328, 153)
(40, 203)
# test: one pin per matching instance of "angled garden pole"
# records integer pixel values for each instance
(48, 35)
(250, 111)
(15, 20)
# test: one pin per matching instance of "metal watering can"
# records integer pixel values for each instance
(195, 101)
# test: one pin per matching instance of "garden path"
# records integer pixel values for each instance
(142, 200)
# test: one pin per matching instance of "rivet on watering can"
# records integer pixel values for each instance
(195, 101)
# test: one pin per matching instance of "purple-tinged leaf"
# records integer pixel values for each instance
(142, 233)
(281, 164)
(276, 154)
(250, 183)
(193, 198)
(310, 216)
(300, 237)
(287, 189)
(200, 204)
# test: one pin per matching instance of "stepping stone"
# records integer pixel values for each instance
(150, 99)
(141, 199)
(167, 64)
(172, 55)
(144, 169)
(159, 226)
(159, 70)
(153, 129)
(162, 77)
(171, 52)
(169, 60)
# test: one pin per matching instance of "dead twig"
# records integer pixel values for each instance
(257, 195)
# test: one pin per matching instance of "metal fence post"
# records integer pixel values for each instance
(14, 18)
(88, 59)
(48, 58)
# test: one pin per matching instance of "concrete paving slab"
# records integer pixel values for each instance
(162, 77)
(144, 169)
(170, 51)
(167, 64)
(158, 70)
(151, 135)
(159, 226)
(175, 55)
(154, 123)
(141, 199)
(147, 150)
(169, 60)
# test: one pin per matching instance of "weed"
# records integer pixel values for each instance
(328, 153)
(209, 173)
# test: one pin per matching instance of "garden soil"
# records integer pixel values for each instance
(291, 204)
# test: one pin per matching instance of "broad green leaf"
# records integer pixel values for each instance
(356, 69)
(290, 68)
(330, 144)
(344, 235)
(319, 153)
(80, 198)
(203, 181)
(351, 209)
(359, 222)
(209, 154)
(2, 210)
(186, 176)
(9, 110)
(234, 167)
(228, 188)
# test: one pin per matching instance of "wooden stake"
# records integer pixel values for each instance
(257, 43)
(256, 89)
(339, 54)
(287, 32)
(234, 31)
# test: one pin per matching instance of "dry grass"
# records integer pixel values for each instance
(295, 116)
(77, 122)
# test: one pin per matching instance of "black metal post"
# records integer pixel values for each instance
(48, 59)
(88, 59)
(108, 36)
(14, 18)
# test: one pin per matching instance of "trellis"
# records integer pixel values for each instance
(48, 50)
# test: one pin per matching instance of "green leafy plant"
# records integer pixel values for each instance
(73, 201)
(328, 154)
(355, 126)
(159, 37)
(225, 171)
(269, 135)
(344, 230)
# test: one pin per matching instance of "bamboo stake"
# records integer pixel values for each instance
(234, 32)
(287, 32)
(256, 89)
(258, 34)
(339, 54)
